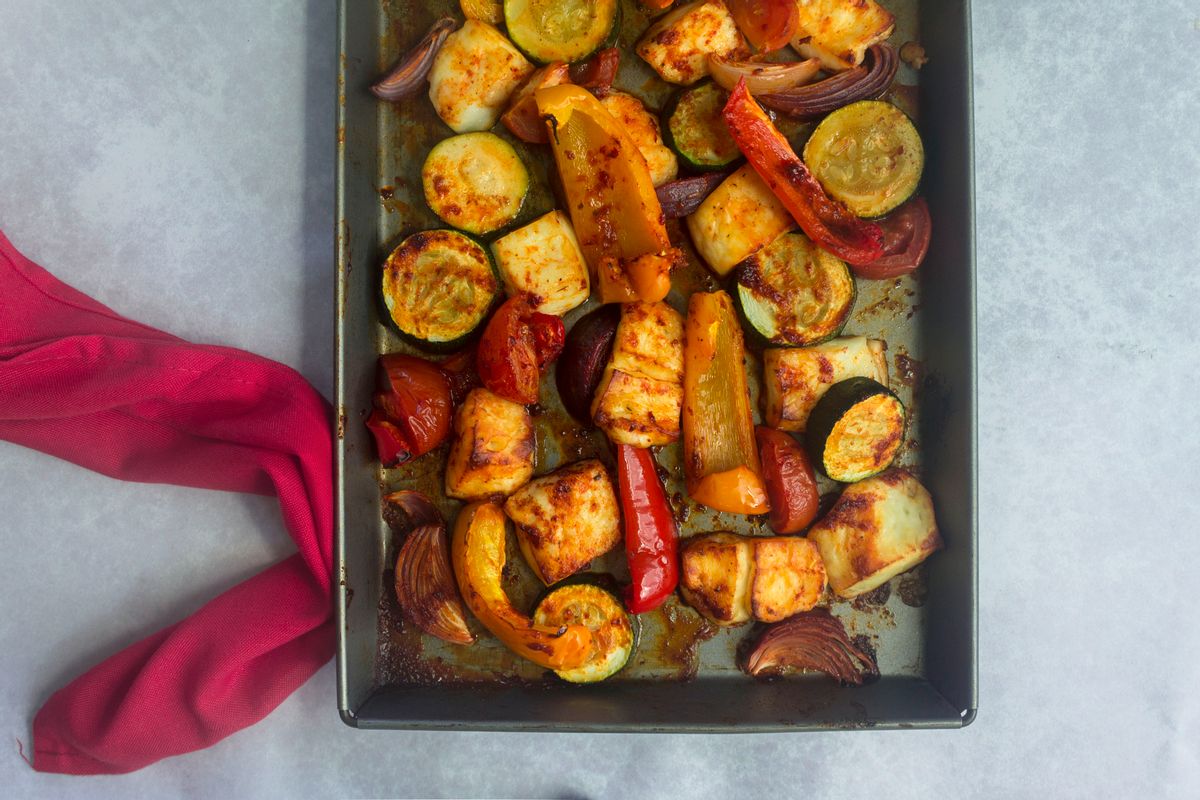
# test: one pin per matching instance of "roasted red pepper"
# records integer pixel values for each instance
(826, 221)
(791, 482)
(599, 71)
(651, 539)
(412, 408)
(460, 371)
(517, 344)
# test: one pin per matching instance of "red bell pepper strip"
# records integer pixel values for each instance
(791, 482)
(826, 221)
(651, 540)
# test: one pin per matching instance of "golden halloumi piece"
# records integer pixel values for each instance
(677, 46)
(739, 218)
(543, 260)
(789, 577)
(878, 528)
(565, 519)
(492, 447)
(473, 76)
(640, 397)
(643, 129)
(795, 378)
(715, 576)
(839, 31)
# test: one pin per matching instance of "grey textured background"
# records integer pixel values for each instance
(174, 160)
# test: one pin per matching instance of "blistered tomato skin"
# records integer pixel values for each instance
(790, 479)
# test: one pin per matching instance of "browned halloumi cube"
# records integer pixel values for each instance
(795, 378)
(492, 447)
(677, 46)
(839, 32)
(640, 396)
(789, 577)
(565, 519)
(643, 129)
(878, 528)
(715, 576)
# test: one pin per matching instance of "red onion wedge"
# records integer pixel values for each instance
(762, 78)
(866, 82)
(814, 640)
(408, 76)
(682, 197)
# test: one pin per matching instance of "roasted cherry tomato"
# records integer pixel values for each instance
(460, 371)
(599, 71)
(517, 343)
(906, 233)
(767, 24)
(412, 408)
(791, 482)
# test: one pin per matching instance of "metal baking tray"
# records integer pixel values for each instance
(683, 677)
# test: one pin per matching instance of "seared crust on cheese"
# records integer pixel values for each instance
(678, 45)
(878, 528)
(473, 75)
(565, 519)
(789, 577)
(739, 218)
(839, 31)
(730, 579)
(715, 578)
(643, 129)
(795, 378)
(640, 396)
(543, 260)
(492, 449)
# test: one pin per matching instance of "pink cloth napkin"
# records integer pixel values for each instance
(84, 384)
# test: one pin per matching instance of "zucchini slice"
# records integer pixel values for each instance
(855, 430)
(560, 30)
(438, 287)
(603, 614)
(868, 155)
(794, 293)
(696, 130)
(475, 182)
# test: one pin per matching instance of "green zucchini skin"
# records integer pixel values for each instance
(793, 293)
(399, 296)
(882, 169)
(542, 46)
(476, 182)
(621, 639)
(849, 457)
(694, 128)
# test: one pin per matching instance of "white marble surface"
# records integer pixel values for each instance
(174, 159)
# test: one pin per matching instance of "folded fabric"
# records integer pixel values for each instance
(84, 384)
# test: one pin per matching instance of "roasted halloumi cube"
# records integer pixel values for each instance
(643, 129)
(677, 46)
(565, 519)
(640, 396)
(789, 577)
(878, 528)
(795, 378)
(492, 448)
(715, 576)
(731, 579)
(839, 31)
(739, 218)
(473, 75)
(543, 260)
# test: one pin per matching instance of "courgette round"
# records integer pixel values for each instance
(696, 130)
(602, 613)
(794, 293)
(438, 287)
(475, 182)
(855, 430)
(868, 155)
(560, 30)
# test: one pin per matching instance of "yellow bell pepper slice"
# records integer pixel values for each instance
(477, 553)
(720, 456)
(610, 196)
